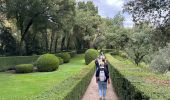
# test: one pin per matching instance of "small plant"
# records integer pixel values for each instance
(24, 68)
(90, 55)
(47, 63)
(65, 56)
(61, 60)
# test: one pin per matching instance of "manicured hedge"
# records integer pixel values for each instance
(135, 83)
(65, 56)
(10, 62)
(61, 60)
(72, 88)
(90, 55)
(24, 68)
(47, 63)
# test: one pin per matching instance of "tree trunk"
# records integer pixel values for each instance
(55, 48)
(63, 43)
(52, 40)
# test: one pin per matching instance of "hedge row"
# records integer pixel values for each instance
(134, 83)
(10, 62)
(72, 88)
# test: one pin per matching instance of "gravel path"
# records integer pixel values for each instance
(92, 91)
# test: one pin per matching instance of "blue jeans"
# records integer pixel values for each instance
(102, 88)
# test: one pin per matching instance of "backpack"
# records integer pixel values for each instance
(102, 76)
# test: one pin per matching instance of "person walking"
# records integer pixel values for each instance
(102, 77)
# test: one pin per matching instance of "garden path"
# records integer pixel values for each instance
(92, 91)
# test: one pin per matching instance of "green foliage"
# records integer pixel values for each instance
(9, 62)
(139, 43)
(135, 83)
(73, 87)
(141, 9)
(24, 68)
(86, 25)
(90, 55)
(7, 41)
(161, 60)
(47, 63)
(154, 12)
(33, 85)
(61, 60)
(65, 56)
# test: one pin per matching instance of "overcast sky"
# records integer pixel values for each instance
(108, 8)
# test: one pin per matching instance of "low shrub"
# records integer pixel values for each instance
(24, 68)
(161, 61)
(72, 88)
(61, 60)
(47, 63)
(7, 63)
(65, 56)
(90, 55)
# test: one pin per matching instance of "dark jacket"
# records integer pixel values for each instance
(105, 71)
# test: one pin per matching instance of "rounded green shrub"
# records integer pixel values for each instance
(24, 68)
(90, 55)
(47, 63)
(61, 60)
(65, 56)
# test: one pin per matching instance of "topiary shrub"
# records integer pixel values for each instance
(47, 63)
(90, 55)
(61, 60)
(65, 56)
(24, 68)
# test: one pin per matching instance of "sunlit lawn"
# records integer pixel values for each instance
(24, 86)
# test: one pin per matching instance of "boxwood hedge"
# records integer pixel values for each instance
(136, 83)
(24, 68)
(72, 88)
(10, 62)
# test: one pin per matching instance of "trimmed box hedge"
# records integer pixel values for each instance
(10, 62)
(135, 83)
(24, 68)
(72, 88)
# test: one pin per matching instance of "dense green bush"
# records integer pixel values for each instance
(47, 63)
(72, 88)
(65, 56)
(24, 68)
(90, 55)
(61, 60)
(10, 62)
(161, 61)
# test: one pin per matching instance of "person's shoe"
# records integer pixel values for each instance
(100, 98)
(104, 98)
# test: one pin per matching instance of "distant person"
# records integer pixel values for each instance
(102, 77)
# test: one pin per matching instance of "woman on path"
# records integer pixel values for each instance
(102, 77)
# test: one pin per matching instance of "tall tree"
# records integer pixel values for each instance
(157, 12)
